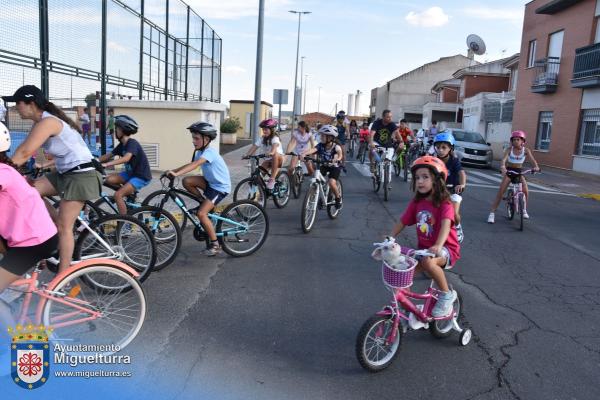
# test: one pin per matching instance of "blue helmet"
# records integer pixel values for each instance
(445, 136)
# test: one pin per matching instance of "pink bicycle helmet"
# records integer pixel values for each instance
(268, 123)
(518, 134)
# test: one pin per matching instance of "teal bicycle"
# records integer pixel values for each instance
(242, 227)
(163, 225)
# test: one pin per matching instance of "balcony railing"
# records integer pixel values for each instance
(545, 78)
(586, 71)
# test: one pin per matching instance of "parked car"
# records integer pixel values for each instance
(472, 149)
(282, 127)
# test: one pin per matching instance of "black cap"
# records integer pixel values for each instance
(27, 93)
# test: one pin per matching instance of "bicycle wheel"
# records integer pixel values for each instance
(155, 199)
(245, 229)
(331, 210)
(376, 179)
(352, 144)
(129, 241)
(248, 189)
(521, 208)
(443, 328)
(282, 195)
(165, 229)
(375, 350)
(510, 207)
(309, 208)
(119, 314)
(362, 152)
(296, 184)
(397, 164)
(386, 181)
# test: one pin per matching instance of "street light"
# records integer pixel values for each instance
(319, 101)
(301, 86)
(304, 98)
(297, 55)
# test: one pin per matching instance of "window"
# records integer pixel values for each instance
(590, 133)
(544, 132)
(597, 37)
(531, 56)
(514, 78)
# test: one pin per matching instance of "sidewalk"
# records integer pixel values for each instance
(580, 184)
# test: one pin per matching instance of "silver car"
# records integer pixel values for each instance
(471, 148)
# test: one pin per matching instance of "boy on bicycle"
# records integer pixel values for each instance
(137, 168)
(212, 186)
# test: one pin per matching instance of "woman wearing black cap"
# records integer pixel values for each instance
(75, 179)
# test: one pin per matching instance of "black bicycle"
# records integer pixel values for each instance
(255, 189)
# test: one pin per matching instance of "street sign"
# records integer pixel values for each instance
(280, 96)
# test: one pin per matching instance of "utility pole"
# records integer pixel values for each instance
(258, 77)
(297, 55)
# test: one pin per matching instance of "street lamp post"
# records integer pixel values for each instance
(305, 90)
(301, 86)
(258, 77)
(297, 55)
(319, 101)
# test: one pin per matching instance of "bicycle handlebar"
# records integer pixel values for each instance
(527, 171)
(246, 157)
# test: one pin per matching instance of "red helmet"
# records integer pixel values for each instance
(433, 163)
(268, 123)
(519, 134)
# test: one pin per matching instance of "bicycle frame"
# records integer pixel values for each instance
(388, 157)
(174, 194)
(322, 185)
(47, 292)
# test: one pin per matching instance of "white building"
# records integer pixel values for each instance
(406, 94)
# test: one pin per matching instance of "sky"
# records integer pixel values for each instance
(351, 45)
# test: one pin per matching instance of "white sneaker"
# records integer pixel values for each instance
(270, 184)
(460, 235)
(444, 305)
(525, 215)
(491, 218)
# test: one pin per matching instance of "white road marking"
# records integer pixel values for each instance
(498, 178)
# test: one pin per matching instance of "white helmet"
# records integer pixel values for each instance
(4, 138)
(328, 130)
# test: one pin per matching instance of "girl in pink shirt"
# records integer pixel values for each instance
(27, 233)
(433, 214)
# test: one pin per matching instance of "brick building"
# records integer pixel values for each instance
(558, 91)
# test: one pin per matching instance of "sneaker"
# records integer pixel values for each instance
(460, 234)
(491, 218)
(338, 203)
(212, 251)
(525, 215)
(271, 184)
(443, 307)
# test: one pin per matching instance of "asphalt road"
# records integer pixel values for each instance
(282, 323)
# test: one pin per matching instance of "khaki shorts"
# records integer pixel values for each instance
(78, 186)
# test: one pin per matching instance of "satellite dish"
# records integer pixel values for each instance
(475, 44)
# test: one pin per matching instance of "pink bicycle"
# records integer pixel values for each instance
(97, 301)
(380, 337)
(515, 197)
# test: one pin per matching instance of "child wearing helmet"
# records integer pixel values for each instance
(457, 178)
(513, 160)
(432, 212)
(301, 140)
(137, 172)
(271, 146)
(213, 185)
(329, 151)
(27, 233)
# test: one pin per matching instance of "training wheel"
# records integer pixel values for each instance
(465, 337)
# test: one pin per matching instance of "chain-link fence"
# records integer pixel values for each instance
(83, 52)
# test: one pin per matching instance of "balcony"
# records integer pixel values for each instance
(586, 72)
(545, 78)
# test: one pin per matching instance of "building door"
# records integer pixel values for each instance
(555, 46)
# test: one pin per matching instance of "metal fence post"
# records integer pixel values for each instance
(187, 52)
(167, 54)
(201, 58)
(102, 126)
(141, 82)
(212, 68)
(44, 47)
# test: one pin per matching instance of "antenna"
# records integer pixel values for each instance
(476, 45)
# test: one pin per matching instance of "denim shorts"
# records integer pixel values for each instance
(137, 183)
(213, 195)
